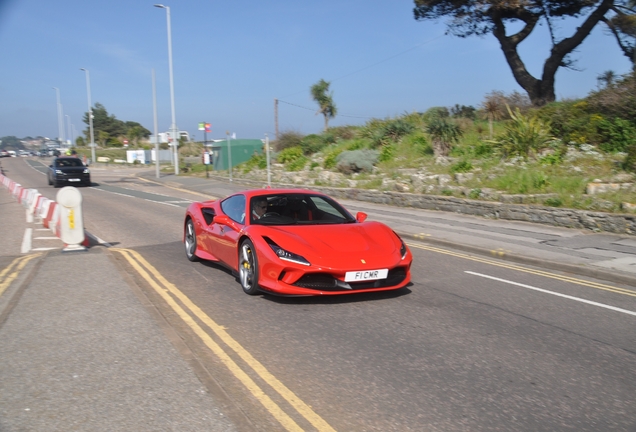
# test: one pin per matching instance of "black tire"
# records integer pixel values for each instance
(49, 180)
(248, 268)
(56, 184)
(190, 237)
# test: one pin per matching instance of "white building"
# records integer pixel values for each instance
(164, 137)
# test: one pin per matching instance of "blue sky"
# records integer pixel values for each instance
(231, 60)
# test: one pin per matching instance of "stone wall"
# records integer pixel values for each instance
(568, 218)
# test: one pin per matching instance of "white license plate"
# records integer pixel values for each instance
(364, 275)
(73, 179)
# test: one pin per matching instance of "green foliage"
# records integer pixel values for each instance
(553, 202)
(320, 94)
(356, 161)
(524, 136)
(617, 100)
(290, 154)
(288, 139)
(435, 113)
(312, 143)
(444, 134)
(387, 152)
(297, 164)
(474, 193)
(330, 158)
(462, 166)
(629, 164)
(256, 161)
(419, 143)
(356, 144)
(463, 111)
(616, 135)
(569, 120)
(551, 159)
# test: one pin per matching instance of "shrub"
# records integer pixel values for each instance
(312, 143)
(629, 164)
(443, 133)
(330, 158)
(419, 143)
(290, 154)
(288, 139)
(386, 152)
(553, 202)
(297, 164)
(616, 135)
(524, 136)
(355, 161)
(462, 166)
(474, 193)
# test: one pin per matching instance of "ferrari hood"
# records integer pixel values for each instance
(368, 238)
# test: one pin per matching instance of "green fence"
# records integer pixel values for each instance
(242, 150)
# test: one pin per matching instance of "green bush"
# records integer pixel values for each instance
(312, 144)
(524, 136)
(462, 166)
(287, 139)
(355, 161)
(297, 164)
(330, 158)
(386, 153)
(629, 164)
(616, 135)
(290, 154)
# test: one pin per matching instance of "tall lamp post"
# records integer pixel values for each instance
(90, 114)
(60, 120)
(173, 127)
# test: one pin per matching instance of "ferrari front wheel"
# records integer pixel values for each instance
(190, 241)
(248, 268)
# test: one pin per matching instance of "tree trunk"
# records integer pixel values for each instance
(541, 91)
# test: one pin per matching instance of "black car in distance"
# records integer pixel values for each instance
(68, 170)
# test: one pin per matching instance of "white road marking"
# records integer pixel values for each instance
(625, 311)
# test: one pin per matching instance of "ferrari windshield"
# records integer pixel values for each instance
(297, 209)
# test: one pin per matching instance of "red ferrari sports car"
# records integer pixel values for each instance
(297, 243)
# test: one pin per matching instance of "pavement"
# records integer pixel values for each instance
(94, 354)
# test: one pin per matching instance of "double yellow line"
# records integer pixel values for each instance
(583, 282)
(11, 272)
(170, 293)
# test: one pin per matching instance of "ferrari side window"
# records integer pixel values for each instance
(234, 207)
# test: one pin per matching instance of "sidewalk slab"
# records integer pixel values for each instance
(80, 352)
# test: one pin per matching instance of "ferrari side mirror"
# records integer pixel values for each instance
(361, 216)
(221, 220)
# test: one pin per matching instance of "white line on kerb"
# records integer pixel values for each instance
(625, 311)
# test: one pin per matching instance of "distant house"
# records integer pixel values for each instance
(164, 137)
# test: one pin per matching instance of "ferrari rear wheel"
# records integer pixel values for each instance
(190, 241)
(248, 268)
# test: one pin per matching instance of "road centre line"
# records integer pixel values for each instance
(167, 288)
(602, 305)
(18, 264)
(573, 280)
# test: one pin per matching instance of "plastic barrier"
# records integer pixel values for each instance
(71, 220)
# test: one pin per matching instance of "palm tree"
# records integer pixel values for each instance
(493, 106)
(443, 135)
(319, 93)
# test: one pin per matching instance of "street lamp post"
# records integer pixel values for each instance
(60, 120)
(70, 131)
(90, 114)
(173, 127)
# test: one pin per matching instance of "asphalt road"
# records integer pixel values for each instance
(474, 343)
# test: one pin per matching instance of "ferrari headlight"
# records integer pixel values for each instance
(403, 249)
(286, 255)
